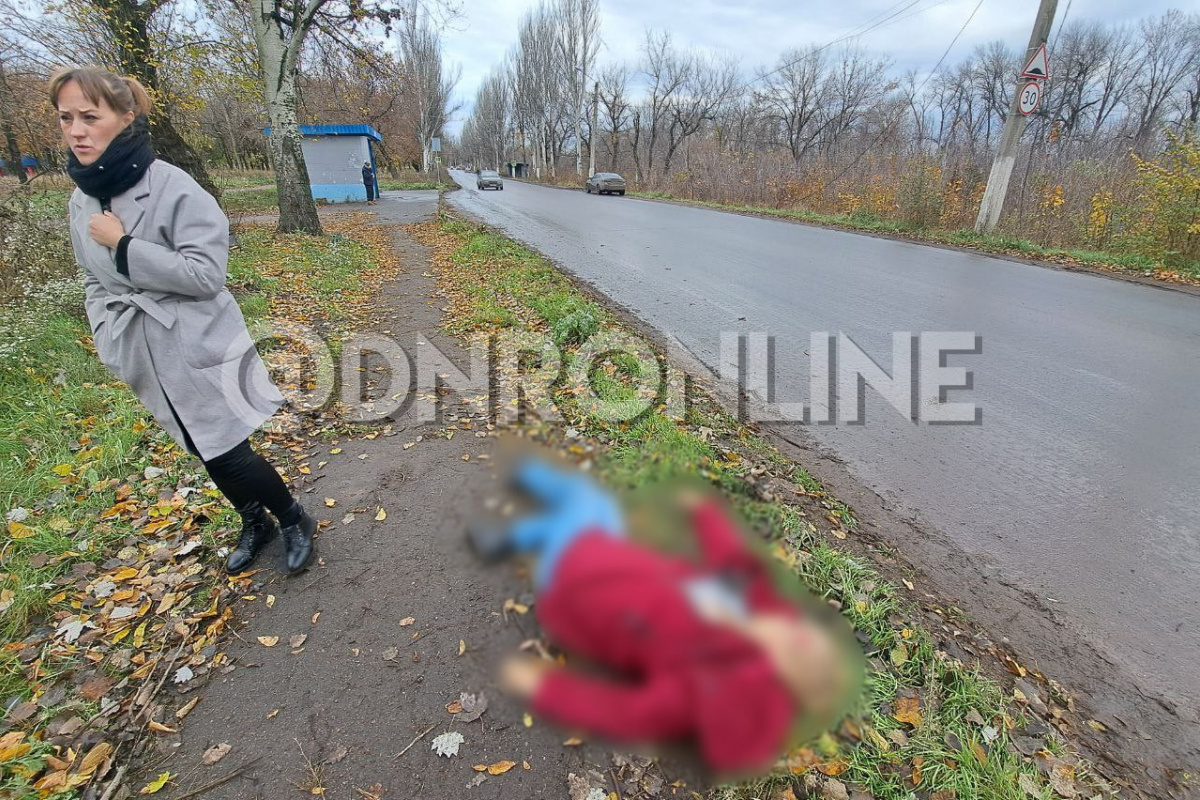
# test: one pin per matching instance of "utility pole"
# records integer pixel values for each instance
(592, 130)
(1006, 155)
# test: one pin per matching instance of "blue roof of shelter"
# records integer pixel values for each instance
(338, 130)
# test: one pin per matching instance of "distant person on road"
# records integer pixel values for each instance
(706, 649)
(153, 247)
(369, 181)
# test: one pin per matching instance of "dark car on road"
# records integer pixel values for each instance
(489, 179)
(605, 183)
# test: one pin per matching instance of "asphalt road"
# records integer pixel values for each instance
(1080, 484)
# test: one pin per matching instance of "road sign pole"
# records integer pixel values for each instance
(1006, 154)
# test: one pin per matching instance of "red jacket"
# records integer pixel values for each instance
(622, 605)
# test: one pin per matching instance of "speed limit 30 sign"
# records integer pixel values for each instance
(1030, 98)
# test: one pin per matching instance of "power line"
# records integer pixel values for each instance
(887, 127)
(854, 33)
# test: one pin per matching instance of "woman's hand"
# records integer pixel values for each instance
(106, 229)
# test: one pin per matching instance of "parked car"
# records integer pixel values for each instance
(489, 179)
(605, 183)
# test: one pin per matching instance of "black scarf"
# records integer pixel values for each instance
(119, 167)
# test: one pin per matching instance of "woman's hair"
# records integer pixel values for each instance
(98, 85)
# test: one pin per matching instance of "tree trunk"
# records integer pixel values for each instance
(297, 209)
(278, 60)
(387, 161)
(129, 23)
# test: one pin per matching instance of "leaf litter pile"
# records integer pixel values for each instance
(932, 724)
(113, 596)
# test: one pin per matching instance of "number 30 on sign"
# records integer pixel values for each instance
(1030, 98)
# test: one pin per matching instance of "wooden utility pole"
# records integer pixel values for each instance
(1006, 155)
(592, 130)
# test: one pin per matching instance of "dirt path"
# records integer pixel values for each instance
(334, 712)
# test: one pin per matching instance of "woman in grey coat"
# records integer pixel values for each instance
(153, 247)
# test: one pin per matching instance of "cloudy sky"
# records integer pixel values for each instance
(756, 31)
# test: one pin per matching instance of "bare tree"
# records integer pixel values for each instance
(709, 84)
(666, 71)
(792, 97)
(430, 83)
(614, 100)
(1167, 55)
(577, 42)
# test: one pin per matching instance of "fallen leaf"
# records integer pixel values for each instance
(1097, 726)
(404, 623)
(974, 718)
(908, 710)
(316, 617)
(380, 515)
(1062, 780)
(391, 653)
(22, 712)
(156, 785)
(834, 790)
(160, 728)
(215, 753)
(268, 641)
(472, 705)
(573, 742)
(478, 779)
(454, 707)
(183, 674)
(330, 502)
(462, 646)
(447, 744)
(513, 605)
(917, 763)
(95, 688)
(93, 761)
(298, 640)
(1028, 785)
(528, 720)
(500, 767)
(187, 709)
(270, 601)
(18, 530)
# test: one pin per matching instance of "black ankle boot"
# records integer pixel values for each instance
(258, 528)
(298, 542)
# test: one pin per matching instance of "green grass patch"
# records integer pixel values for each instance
(259, 201)
(999, 243)
(388, 185)
(959, 741)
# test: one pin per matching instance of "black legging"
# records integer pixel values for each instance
(245, 477)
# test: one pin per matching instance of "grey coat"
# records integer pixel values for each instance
(170, 329)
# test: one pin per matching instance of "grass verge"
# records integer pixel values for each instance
(990, 243)
(930, 725)
(110, 583)
(409, 186)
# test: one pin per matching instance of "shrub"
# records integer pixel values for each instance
(1166, 225)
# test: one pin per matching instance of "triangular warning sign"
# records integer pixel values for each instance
(1038, 66)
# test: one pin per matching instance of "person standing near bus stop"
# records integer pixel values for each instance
(369, 181)
(154, 247)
